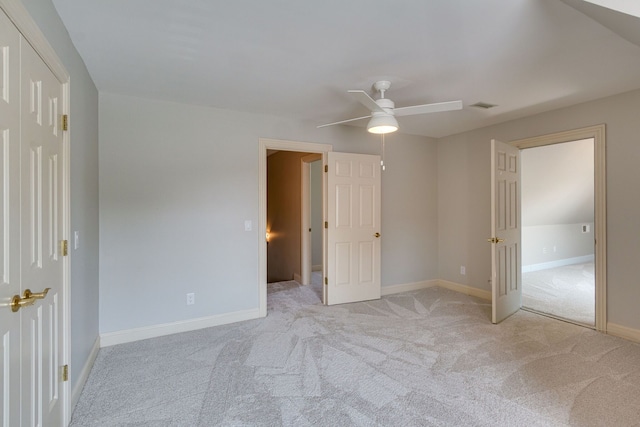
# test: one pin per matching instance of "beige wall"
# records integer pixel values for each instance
(464, 191)
(557, 200)
(283, 215)
(178, 182)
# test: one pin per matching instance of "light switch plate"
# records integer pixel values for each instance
(248, 226)
(76, 239)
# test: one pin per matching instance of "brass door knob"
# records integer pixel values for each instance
(495, 240)
(376, 235)
(17, 303)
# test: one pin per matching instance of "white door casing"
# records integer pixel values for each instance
(506, 272)
(353, 228)
(265, 144)
(598, 134)
(9, 221)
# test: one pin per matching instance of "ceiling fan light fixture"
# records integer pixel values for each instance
(382, 123)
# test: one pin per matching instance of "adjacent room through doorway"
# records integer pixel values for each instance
(294, 220)
(558, 252)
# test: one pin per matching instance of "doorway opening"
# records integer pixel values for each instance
(283, 235)
(558, 247)
(596, 231)
(289, 227)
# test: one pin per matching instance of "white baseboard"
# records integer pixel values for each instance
(84, 374)
(406, 287)
(316, 267)
(558, 263)
(297, 278)
(623, 332)
(137, 334)
(464, 289)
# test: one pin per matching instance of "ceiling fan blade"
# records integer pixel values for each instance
(364, 99)
(344, 121)
(428, 108)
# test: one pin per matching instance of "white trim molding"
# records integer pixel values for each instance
(465, 289)
(153, 331)
(558, 263)
(407, 287)
(452, 286)
(84, 374)
(623, 332)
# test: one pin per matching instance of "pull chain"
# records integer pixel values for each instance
(382, 159)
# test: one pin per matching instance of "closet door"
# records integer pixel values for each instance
(9, 221)
(42, 227)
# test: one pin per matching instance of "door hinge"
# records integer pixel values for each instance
(65, 373)
(326, 281)
(326, 224)
(326, 168)
(65, 122)
(64, 247)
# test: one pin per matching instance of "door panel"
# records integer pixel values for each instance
(505, 231)
(353, 226)
(41, 214)
(9, 221)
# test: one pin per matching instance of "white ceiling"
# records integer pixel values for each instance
(297, 58)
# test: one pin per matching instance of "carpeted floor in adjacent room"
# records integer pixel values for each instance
(428, 357)
(568, 292)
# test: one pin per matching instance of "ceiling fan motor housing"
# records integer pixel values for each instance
(387, 104)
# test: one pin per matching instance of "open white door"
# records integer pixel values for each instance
(506, 272)
(353, 228)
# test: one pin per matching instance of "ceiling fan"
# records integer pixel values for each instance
(383, 110)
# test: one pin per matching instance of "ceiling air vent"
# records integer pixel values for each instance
(483, 105)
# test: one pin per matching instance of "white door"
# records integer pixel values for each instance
(32, 218)
(42, 228)
(353, 228)
(506, 280)
(9, 221)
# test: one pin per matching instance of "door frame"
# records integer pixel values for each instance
(21, 18)
(305, 220)
(265, 144)
(598, 134)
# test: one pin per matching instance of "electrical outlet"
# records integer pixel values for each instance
(463, 270)
(191, 299)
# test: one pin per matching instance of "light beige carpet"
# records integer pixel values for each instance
(568, 292)
(423, 358)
